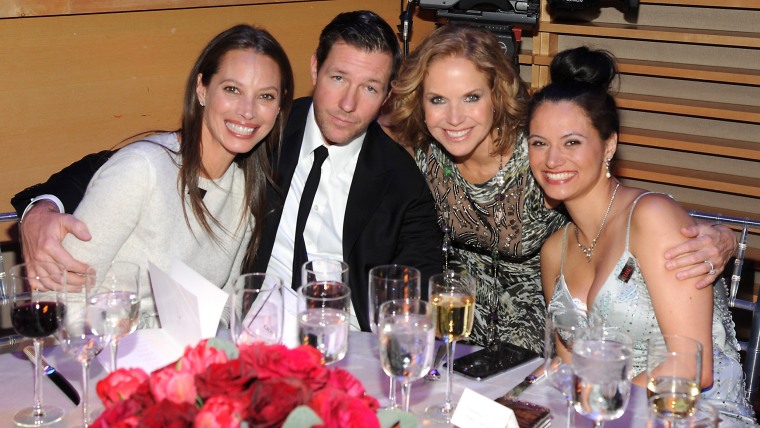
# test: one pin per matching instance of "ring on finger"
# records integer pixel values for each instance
(712, 267)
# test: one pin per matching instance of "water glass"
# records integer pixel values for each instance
(324, 270)
(561, 327)
(602, 361)
(666, 410)
(407, 339)
(674, 365)
(257, 309)
(323, 312)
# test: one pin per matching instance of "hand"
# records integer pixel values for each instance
(42, 232)
(710, 248)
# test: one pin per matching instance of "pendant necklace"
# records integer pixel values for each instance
(590, 250)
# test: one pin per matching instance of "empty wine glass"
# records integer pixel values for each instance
(76, 334)
(453, 296)
(323, 312)
(407, 339)
(561, 325)
(115, 300)
(257, 309)
(674, 366)
(34, 314)
(602, 362)
(390, 282)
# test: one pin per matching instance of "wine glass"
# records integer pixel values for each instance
(667, 410)
(407, 338)
(323, 311)
(389, 282)
(78, 332)
(453, 295)
(602, 361)
(561, 326)
(34, 314)
(257, 309)
(674, 365)
(115, 300)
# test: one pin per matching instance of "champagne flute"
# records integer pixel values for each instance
(34, 313)
(407, 338)
(257, 309)
(76, 334)
(602, 360)
(674, 365)
(389, 282)
(453, 295)
(323, 311)
(561, 326)
(115, 301)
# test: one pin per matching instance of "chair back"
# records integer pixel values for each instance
(751, 363)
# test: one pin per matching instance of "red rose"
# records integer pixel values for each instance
(338, 409)
(119, 385)
(220, 411)
(230, 378)
(276, 361)
(122, 414)
(195, 360)
(272, 400)
(169, 384)
(346, 382)
(167, 414)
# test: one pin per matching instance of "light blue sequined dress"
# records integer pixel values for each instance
(628, 305)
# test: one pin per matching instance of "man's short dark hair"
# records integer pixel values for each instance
(362, 29)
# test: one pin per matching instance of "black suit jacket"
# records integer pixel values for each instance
(390, 214)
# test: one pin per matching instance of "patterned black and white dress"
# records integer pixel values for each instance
(500, 224)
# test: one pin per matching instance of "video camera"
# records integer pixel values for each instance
(497, 16)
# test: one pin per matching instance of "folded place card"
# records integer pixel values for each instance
(477, 411)
(189, 309)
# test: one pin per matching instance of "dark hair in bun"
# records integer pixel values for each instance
(583, 77)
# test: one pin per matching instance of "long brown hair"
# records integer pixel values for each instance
(508, 91)
(255, 164)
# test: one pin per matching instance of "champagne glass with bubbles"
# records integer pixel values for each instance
(115, 302)
(391, 282)
(453, 296)
(35, 313)
(75, 333)
(602, 361)
(407, 338)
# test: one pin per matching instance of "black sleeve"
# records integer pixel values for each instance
(68, 185)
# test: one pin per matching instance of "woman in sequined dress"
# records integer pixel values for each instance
(608, 260)
(459, 106)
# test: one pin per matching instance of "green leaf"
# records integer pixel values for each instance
(302, 417)
(389, 418)
(228, 347)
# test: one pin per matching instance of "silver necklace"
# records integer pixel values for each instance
(590, 250)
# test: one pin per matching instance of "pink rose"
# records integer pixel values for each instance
(346, 382)
(195, 360)
(230, 378)
(170, 384)
(338, 409)
(220, 411)
(119, 385)
(122, 414)
(275, 361)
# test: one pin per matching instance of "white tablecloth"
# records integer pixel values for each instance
(16, 386)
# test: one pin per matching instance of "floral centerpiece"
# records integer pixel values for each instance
(216, 384)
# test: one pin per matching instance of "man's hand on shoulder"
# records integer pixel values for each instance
(42, 231)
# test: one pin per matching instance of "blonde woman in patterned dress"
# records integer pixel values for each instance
(459, 106)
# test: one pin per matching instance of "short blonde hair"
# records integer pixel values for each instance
(509, 93)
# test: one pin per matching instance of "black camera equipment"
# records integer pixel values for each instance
(501, 17)
(629, 6)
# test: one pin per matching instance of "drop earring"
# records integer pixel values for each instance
(607, 164)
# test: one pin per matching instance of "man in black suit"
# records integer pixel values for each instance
(372, 205)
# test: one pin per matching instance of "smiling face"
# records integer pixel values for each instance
(349, 89)
(242, 102)
(458, 107)
(567, 155)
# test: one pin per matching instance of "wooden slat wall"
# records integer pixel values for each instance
(76, 80)
(689, 96)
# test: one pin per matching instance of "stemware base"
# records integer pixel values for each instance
(27, 417)
(440, 413)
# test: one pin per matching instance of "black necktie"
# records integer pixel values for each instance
(307, 198)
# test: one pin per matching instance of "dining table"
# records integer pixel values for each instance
(362, 360)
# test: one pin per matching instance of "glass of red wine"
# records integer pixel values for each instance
(34, 314)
